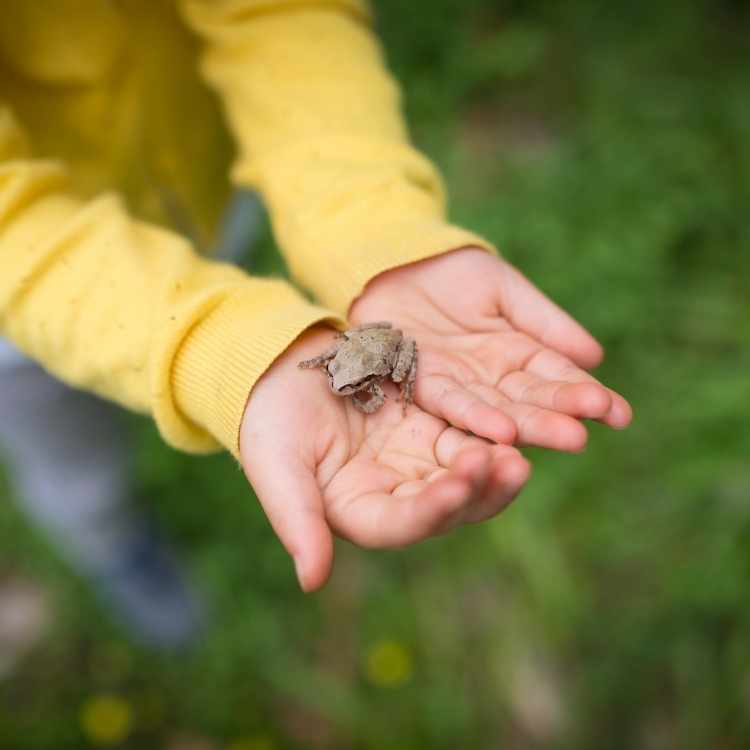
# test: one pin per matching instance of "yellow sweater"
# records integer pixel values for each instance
(127, 95)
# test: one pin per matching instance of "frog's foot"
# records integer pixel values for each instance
(320, 361)
(373, 403)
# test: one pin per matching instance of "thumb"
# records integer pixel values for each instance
(290, 496)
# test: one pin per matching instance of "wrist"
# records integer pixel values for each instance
(228, 351)
(284, 386)
(309, 343)
(412, 279)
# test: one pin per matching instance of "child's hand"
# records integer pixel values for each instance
(382, 480)
(496, 357)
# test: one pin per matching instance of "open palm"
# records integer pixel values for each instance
(496, 357)
(387, 479)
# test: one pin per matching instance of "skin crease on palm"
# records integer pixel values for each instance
(497, 359)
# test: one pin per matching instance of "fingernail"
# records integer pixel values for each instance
(298, 571)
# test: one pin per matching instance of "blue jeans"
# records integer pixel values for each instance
(66, 451)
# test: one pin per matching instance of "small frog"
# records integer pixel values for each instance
(364, 357)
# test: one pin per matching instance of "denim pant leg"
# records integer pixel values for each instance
(66, 455)
(66, 450)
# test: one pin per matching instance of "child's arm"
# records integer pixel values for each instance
(128, 310)
(317, 121)
(319, 131)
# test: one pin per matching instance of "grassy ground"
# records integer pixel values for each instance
(606, 149)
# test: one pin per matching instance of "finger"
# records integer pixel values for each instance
(421, 509)
(473, 465)
(499, 482)
(411, 513)
(584, 400)
(444, 398)
(538, 426)
(508, 476)
(291, 499)
(534, 313)
(553, 366)
(416, 509)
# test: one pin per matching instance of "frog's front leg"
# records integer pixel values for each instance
(321, 360)
(376, 400)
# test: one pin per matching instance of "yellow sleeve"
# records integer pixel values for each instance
(128, 310)
(317, 121)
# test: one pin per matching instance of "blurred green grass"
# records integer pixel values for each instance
(606, 150)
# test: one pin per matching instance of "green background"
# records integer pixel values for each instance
(605, 147)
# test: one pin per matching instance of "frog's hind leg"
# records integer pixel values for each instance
(407, 395)
(405, 370)
(321, 360)
(376, 400)
(406, 353)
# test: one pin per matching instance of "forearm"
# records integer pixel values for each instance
(317, 121)
(129, 311)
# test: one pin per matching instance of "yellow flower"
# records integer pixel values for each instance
(110, 663)
(149, 710)
(389, 663)
(106, 719)
(259, 742)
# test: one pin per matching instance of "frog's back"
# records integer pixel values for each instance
(375, 350)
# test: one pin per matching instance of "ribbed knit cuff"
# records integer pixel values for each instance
(223, 357)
